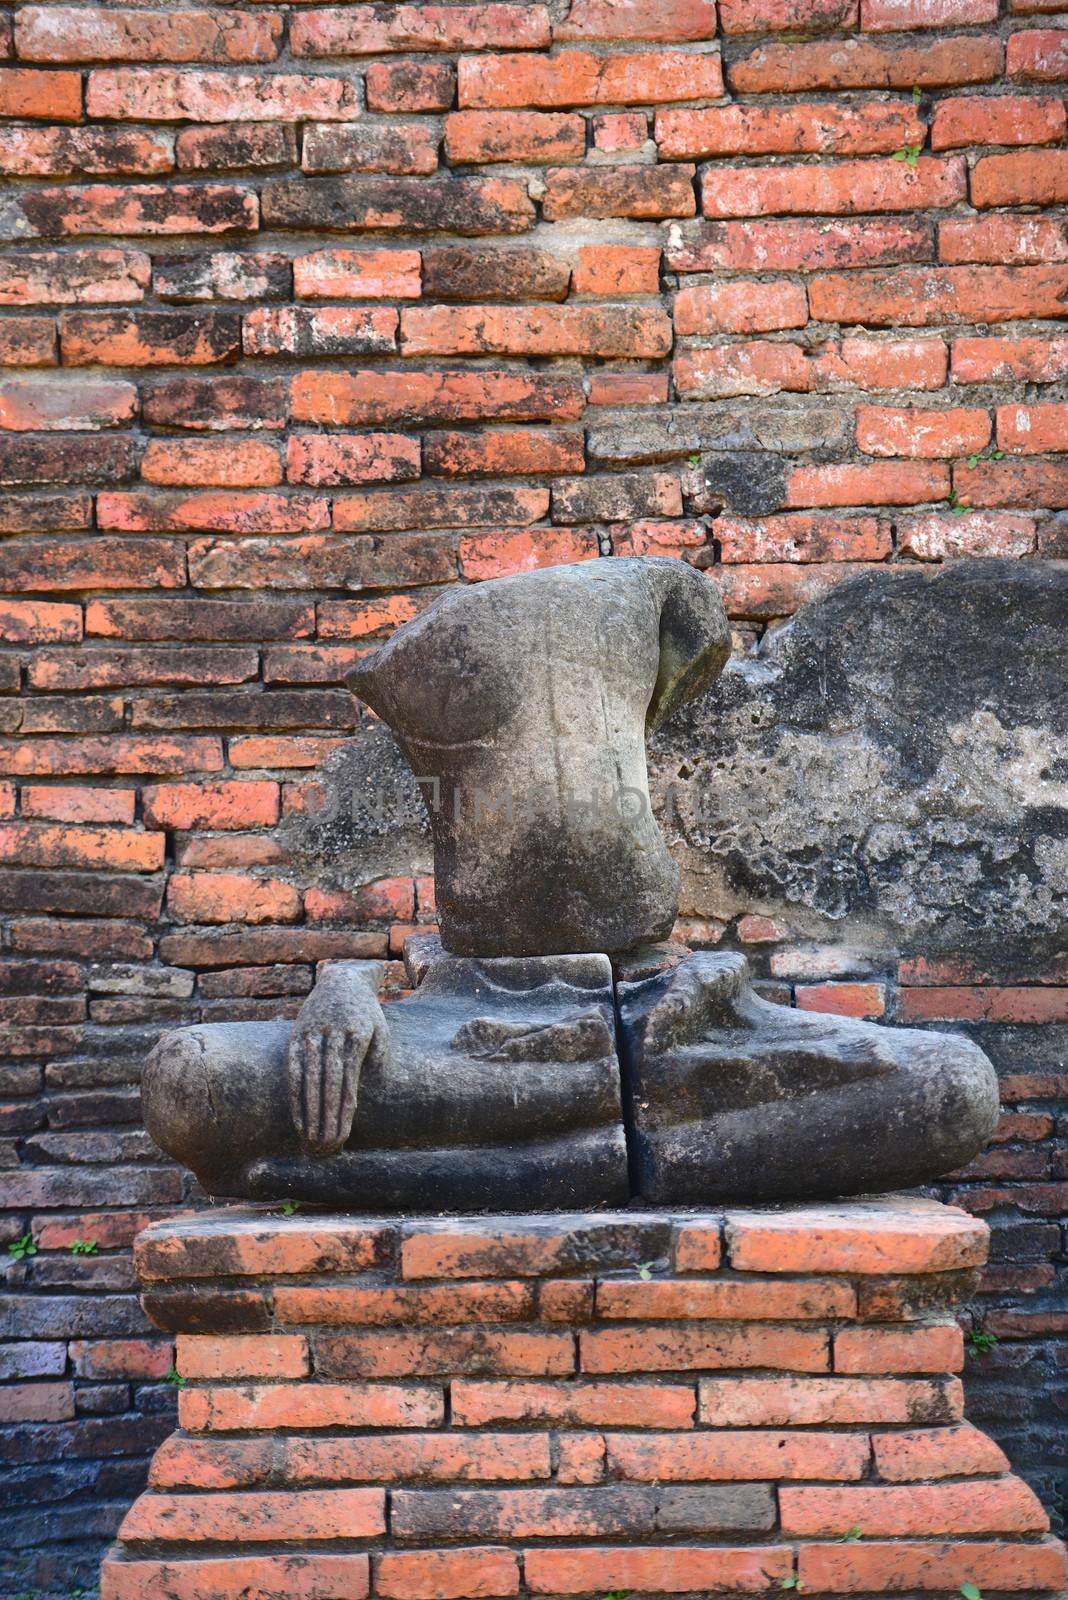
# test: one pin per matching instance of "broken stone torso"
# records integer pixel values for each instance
(520, 1072)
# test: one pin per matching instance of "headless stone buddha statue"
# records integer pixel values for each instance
(515, 1075)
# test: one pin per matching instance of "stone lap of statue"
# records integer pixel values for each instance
(523, 705)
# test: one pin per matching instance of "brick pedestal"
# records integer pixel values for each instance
(436, 1409)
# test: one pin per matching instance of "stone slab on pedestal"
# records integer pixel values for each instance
(570, 1405)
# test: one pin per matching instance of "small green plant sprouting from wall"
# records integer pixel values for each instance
(19, 1249)
(84, 1247)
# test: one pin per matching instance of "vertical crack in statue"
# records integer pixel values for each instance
(518, 1074)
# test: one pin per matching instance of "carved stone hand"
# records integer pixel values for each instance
(339, 1023)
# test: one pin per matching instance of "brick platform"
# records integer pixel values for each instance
(435, 1409)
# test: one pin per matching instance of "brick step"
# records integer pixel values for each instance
(573, 1405)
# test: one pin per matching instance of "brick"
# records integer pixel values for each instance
(322, 1515)
(985, 1004)
(399, 148)
(241, 804)
(440, 1457)
(59, 152)
(1005, 119)
(28, 342)
(1023, 177)
(446, 1574)
(887, 16)
(68, 33)
(32, 844)
(1038, 55)
(844, 189)
(118, 1358)
(149, 209)
(494, 555)
(1032, 430)
(53, 96)
(940, 538)
(45, 512)
(357, 275)
(655, 1349)
(462, 205)
(75, 804)
(577, 1512)
(739, 307)
(669, 1570)
(579, 78)
(796, 244)
(1013, 483)
(324, 460)
(410, 1305)
(615, 132)
(216, 404)
(774, 589)
(756, 367)
(227, 275)
(96, 938)
(99, 563)
(736, 1300)
(820, 128)
(797, 536)
(1009, 360)
(345, 398)
(913, 297)
(628, 388)
(937, 1453)
(263, 145)
(880, 1237)
(616, 270)
(866, 64)
(241, 1245)
(342, 31)
(319, 330)
(54, 404)
(308, 1576)
(147, 338)
(196, 620)
(473, 272)
(224, 511)
(805, 1401)
(870, 1566)
(804, 16)
(242, 1356)
(736, 1456)
(410, 85)
(890, 483)
(28, 459)
(638, 192)
(52, 277)
(1001, 239)
(234, 464)
(163, 94)
(323, 562)
(36, 1402)
(633, 331)
(910, 431)
(619, 497)
(387, 1354)
(231, 897)
(893, 1350)
(1005, 1505)
(504, 452)
(319, 1405)
(578, 1405)
(660, 21)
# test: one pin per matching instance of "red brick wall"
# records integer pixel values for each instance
(271, 381)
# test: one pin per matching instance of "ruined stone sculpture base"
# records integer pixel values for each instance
(662, 1403)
